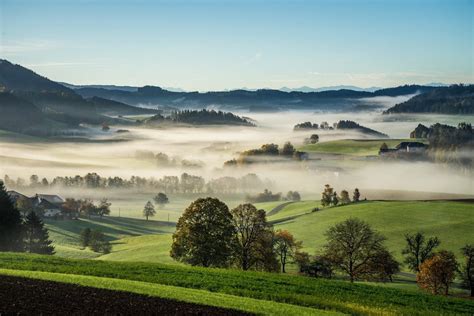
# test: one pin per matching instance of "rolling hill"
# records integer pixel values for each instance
(451, 221)
(45, 107)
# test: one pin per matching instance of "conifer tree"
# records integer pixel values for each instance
(10, 223)
(36, 237)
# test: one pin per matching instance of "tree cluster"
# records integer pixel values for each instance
(201, 117)
(267, 153)
(186, 183)
(329, 197)
(209, 234)
(268, 196)
(85, 207)
(95, 240)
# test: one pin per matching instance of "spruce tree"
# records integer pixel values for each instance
(10, 223)
(36, 237)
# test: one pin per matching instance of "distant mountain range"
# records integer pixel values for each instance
(309, 89)
(46, 107)
(259, 100)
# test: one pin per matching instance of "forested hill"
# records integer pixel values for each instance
(17, 78)
(199, 117)
(455, 99)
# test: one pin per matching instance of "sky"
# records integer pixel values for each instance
(228, 44)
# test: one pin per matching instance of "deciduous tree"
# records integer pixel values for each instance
(356, 195)
(351, 245)
(286, 247)
(437, 273)
(251, 229)
(418, 249)
(104, 207)
(149, 210)
(467, 268)
(345, 199)
(205, 234)
(161, 199)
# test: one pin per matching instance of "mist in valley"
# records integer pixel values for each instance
(202, 151)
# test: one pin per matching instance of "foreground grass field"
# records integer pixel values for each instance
(228, 287)
(451, 221)
(353, 147)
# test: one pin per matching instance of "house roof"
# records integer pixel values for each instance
(51, 198)
(14, 195)
(43, 203)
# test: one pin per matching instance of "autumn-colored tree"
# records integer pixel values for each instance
(149, 210)
(437, 273)
(351, 245)
(286, 247)
(467, 269)
(345, 199)
(418, 249)
(252, 229)
(205, 234)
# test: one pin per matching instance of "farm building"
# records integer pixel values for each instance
(47, 204)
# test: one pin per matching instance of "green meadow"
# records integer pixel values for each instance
(352, 147)
(258, 292)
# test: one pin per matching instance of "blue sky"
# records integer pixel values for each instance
(214, 45)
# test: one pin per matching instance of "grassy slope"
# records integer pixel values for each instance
(294, 209)
(148, 248)
(65, 234)
(354, 147)
(452, 222)
(316, 293)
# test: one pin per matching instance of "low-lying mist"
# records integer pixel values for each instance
(203, 150)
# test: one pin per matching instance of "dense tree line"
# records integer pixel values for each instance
(186, 183)
(201, 117)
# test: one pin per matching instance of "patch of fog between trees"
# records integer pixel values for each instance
(212, 146)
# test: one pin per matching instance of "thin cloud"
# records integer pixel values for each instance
(25, 46)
